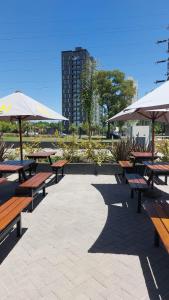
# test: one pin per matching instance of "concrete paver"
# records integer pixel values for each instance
(84, 241)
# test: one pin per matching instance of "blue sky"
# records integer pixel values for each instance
(119, 34)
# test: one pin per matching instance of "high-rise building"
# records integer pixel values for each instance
(73, 63)
(135, 83)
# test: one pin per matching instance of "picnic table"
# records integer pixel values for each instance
(156, 169)
(141, 156)
(41, 155)
(16, 166)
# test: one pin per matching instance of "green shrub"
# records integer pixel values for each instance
(4, 150)
(83, 150)
(163, 148)
(121, 149)
(69, 146)
(33, 146)
(95, 151)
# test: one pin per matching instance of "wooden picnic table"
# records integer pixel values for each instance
(42, 155)
(156, 169)
(14, 166)
(141, 156)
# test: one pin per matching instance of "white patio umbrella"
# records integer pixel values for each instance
(153, 106)
(161, 115)
(156, 99)
(18, 107)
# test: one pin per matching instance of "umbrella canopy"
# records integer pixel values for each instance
(158, 98)
(161, 115)
(154, 106)
(18, 107)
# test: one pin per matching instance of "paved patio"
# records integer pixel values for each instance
(84, 241)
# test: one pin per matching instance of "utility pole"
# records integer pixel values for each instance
(164, 60)
(166, 41)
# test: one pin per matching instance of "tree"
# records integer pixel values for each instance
(73, 128)
(115, 92)
(88, 92)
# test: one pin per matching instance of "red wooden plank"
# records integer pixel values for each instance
(3, 180)
(59, 163)
(36, 180)
(12, 208)
(41, 154)
(10, 168)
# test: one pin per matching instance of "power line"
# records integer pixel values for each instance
(38, 19)
(99, 31)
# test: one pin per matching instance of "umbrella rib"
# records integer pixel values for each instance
(141, 113)
(162, 114)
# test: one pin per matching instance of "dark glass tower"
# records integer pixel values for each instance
(73, 63)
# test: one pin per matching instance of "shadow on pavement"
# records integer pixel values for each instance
(9, 242)
(128, 233)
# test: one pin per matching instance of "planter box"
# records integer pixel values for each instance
(85, 168)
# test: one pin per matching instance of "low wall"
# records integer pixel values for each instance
(85, 168)
(42, 144)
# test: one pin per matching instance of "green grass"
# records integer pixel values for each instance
(27, 139)
(43, 138)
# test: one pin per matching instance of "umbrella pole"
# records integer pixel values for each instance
(153, 139)
(20, 139)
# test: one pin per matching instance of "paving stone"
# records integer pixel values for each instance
(84, 241)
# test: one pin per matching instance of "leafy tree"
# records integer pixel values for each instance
(8, 126)
(88, 92)
(115, 92)
(73, 128)
(85, 127)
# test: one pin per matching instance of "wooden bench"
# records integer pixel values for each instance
(125, 165)
(33, 185)
(3, 180)
(10, 214)
(60, 164)
(137, 183)
(159, 215)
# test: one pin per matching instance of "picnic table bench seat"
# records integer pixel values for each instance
(159, 215)
(33, 185)
(136, 183)
(3, 180)
(60, 164)
(125, 165)
(10, 214)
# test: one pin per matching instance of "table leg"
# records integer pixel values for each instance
(134, 162)
(156, 238)
(56, 175)
(19, 226)
(22, 175)
(50, 161)
(150, 180)
(166, 179)
(139, 203)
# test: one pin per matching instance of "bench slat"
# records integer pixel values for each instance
(165, 206)
(136, 181)
(160, 221)
(59, 163)
(14, 207)
(3, 180)
(162, 215)
(5, 205)
(125, 164)
(36, 180)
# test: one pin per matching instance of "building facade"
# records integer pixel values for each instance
(73, 62)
